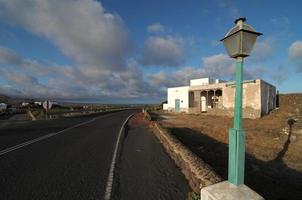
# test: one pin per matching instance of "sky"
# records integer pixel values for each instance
(116, 51)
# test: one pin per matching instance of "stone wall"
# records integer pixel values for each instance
(198, 173)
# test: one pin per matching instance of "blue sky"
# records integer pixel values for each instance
(131, 51)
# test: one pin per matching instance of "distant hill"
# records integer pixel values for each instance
(4, 98)
(11, 100)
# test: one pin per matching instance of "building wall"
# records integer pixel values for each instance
(181, 93)
(259, 98)
(268, 97)
(165, 106)
(3, 106)
(201, 81)
(251, 102)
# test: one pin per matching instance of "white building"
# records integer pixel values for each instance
(3, 106)
(39, 103)
(23, 104)
(217, 97)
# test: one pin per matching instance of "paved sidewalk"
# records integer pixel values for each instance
(145, 171)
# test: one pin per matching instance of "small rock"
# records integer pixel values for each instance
(285, 131)
(293, 138)
(298, 132)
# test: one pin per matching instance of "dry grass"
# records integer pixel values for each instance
(274, 156)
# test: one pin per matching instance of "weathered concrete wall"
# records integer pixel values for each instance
(251, 102)
(251, 95)
(268, 97)
(191, 99)
(197, 100)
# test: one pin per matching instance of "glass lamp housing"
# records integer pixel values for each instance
(240, 40)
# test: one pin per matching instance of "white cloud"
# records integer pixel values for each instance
(295, 50)
(163, 51)
(31, 78)
(263, 50)
(9, 56)
(156, 28)
(215, 66)
(280, 74)
(218, 66)
(295, 53)
(157, 79)
(176, 78)
(95, 40)
(83, 30)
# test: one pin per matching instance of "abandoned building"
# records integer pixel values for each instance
(217, 97)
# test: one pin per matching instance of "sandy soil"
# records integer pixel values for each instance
(274, 148)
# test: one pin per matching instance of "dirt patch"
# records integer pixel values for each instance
(138, 120)
(274, 155)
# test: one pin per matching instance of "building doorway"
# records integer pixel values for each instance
(177, 105)
(203, 101)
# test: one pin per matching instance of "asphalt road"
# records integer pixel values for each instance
(73, 164)
(72, 160)
(145, 171)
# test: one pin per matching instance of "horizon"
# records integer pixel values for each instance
(131, 52)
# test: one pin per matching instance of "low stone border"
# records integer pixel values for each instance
(198, 173)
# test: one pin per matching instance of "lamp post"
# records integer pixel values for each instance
(239, 42)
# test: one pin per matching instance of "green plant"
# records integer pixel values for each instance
(193, 196)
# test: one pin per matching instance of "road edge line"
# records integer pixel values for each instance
(18, 146)
(23, 144)
(108, 189)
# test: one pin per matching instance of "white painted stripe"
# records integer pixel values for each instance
(108, 189)
(10, 149)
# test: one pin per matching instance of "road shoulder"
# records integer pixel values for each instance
(145, 171)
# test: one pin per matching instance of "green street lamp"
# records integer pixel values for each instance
(239, 42)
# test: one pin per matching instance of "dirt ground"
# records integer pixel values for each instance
(274, 148)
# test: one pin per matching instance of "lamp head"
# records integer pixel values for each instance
(240, 39)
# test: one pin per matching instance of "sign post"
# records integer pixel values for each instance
(47, 106)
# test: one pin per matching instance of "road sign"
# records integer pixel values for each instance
(47, 105)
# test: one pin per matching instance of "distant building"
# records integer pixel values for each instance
(3, 106)
(23, 104)
(217, 97)
(39, 103)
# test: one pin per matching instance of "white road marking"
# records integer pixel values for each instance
(7, 150)
(108, 189)
(10, 149)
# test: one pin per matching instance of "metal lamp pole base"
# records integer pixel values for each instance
(236, 156)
